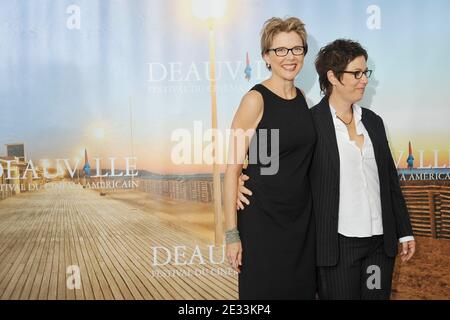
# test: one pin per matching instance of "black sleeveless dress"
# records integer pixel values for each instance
(277, 229)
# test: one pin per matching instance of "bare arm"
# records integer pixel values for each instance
(245, 120)
(243, 127)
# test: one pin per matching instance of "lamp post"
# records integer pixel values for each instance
(99, 134)
(131, 133)
(210, 11)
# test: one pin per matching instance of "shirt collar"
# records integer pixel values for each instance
(357, 111)
(357, 114)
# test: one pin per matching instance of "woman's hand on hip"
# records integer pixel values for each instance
(242, 191)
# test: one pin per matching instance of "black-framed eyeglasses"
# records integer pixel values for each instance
(282, 51)
(359, 74)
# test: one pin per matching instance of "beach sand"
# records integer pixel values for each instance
(427, 274)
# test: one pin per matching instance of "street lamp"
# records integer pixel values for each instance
(99, 135)
(211, 11)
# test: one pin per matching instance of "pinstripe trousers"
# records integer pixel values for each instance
(363, 271)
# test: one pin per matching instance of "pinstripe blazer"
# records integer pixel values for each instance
(324, 177)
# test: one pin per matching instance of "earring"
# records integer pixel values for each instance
(268, 65)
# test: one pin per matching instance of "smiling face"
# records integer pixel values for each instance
(289, 66)
(349, 88)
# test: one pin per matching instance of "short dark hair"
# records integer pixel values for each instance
(335, 56)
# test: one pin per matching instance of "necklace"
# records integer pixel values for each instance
(347, 124)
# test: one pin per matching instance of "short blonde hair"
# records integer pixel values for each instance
(275, 25)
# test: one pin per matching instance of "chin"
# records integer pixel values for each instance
(290, 76)
(358, 98)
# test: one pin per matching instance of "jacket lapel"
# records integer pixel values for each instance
(329, 133)
(371, 128)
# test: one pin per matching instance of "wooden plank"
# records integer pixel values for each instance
(155, 289)
(129, 230)
(42, 261)
(53, 280)
(85, 291)
(111, 277)
(107, 239)
(167, 233)
(103, 289)
(21, 247)
(69, 294)
(47, 269)
(35, 257)
(176, 288)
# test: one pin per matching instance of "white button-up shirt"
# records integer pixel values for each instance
(359, 196)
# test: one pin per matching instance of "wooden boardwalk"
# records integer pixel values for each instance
(42, 233)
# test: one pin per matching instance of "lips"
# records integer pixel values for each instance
(289, 67)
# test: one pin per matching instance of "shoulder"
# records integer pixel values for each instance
(250, 110)
(376, 121)
(371, 115)
(252, 102)
(253, 98)
(322, 106)
(315, 109)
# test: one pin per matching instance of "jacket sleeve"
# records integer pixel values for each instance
(398, 201)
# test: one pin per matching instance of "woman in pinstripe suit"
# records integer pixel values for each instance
(358, 204)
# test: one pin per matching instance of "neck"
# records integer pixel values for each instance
(284, 88)
(341, 106)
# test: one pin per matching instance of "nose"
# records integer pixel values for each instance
(290, 52)
(364, 78)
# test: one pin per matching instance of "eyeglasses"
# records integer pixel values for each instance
(282, 51)
(359, 74)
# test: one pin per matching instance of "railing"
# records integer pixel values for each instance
(429, 209)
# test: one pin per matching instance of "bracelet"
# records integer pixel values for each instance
(232, 236)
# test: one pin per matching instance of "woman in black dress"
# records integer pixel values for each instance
(272, 242)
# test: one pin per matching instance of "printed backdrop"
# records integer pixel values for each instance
(106, 108)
